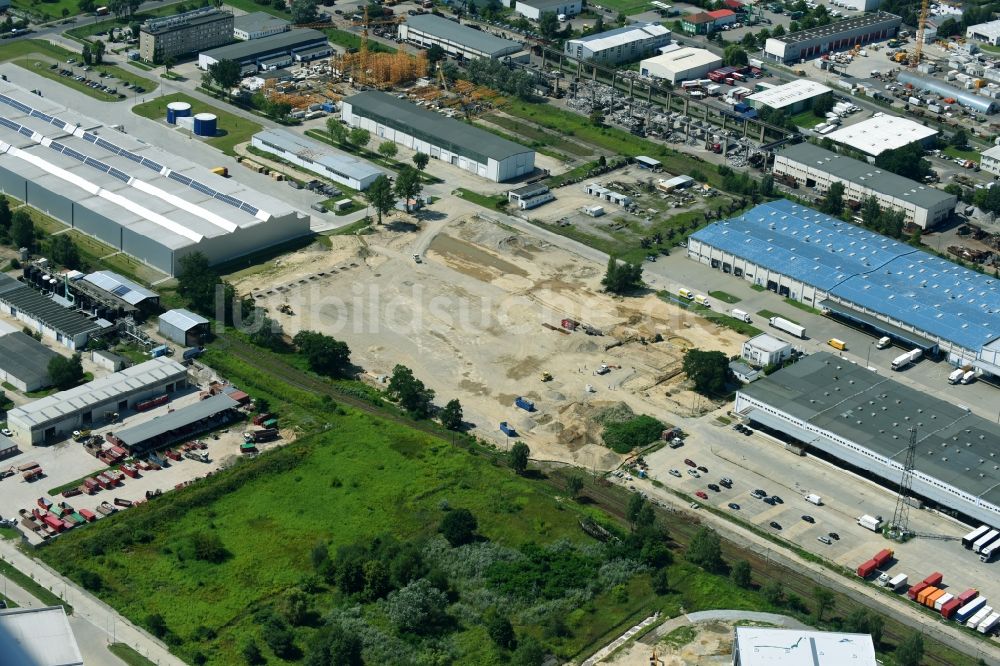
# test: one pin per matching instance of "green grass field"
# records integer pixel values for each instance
(802, 306)
(128, 655)
(495, 202)
(233, 129)
(807, 119)
(534, 134)
(968, 154)
(725, 297)
(31, 587)
(49, 10)
(38, 55)
(629, 7)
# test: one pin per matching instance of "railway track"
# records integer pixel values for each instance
(611, 499)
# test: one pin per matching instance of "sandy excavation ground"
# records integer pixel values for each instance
(712, 645)
(469, 321)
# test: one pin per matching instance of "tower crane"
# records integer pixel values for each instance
(921, 26)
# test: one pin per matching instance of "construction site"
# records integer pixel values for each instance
(495, 315)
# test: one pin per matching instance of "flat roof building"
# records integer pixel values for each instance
(190, 32)
(844, 412)
(791, 97)
(680, 64)
(143, 201)
(882, 132)
(257, 25)
(837, 36)
(533, 9)
(627, 44)
(812, 166)
(530, 196)
(886, 286)
(984, 32)
(319, 158)
(764, 350)
(51, 418)
(989, 160)
(125, 289)
(42, 314)
(467, 147)
(24, 361)
(456, 39)
(761, 646)
(273, 52)
(38, 637)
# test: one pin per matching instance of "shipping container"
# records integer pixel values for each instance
(926, 592)
(260, 418)
(866, 569)
(525, 404)
(897, 582)
(882, 556)
(987, 625)
(88, 515)
(968, 596)
(948, 610)
(978, 617)
(915, 590)
(507, 429)
(945, 598)
(934, 579)
(872, 523)
(932, 598)
(787, 326)
(270, 423)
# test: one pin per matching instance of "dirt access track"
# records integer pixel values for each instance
(469, 318)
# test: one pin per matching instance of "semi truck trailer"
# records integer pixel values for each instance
(787, 326)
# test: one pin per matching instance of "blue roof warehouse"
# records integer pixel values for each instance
(896, 289)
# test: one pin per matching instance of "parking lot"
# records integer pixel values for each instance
(760, 462)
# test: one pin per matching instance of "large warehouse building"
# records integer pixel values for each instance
(273, 52)
(859, 418)
(817, 167)
(681, 64)
(763, 646)
(456, 39)
(145, 202)
(55, 416)
(628, 44)
(318, 158)
(791, 97)
(42, 314)
(836, 36)
(883, 132)
(888, 287)
(458, 143)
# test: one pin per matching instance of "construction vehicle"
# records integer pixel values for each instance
(221, 171)
(546, 377)
(285, 308)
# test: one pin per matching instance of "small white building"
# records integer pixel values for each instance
(791, 97)
(530, 196)
(680, 64)
(984, 32)
(626, 44)
(760, 646)
(764, 350)
(533, 9)
(743, 372)
(257, 25)
(38, 637)
(604, 194)
(989, 161)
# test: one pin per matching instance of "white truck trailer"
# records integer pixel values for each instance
(787, 326)
(873, 523)
(906, 359)
(897, 582)
(736, 313)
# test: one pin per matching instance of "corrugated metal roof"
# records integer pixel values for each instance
(182, 319)
(477, 40)
(179, 418)
(45, 310)
(97, 392)
(796, 91)
(446, 131)
(794, 647)
(265, 46)
(622, 36)
(866, 175)
(120, 286)
(312, 151)
(935, 296)
(258, 22)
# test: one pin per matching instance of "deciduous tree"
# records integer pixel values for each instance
(337, 130)
(410, 392)
(709, 370)
(359, 137)
(379, 195)
(65, 372)
(303, 11)
(421, 160)
(622, 277)
(519, 457)
(226, 74)
(705, 550)
(408, 184)
(459, 527)
(325, 354)
(388, 149)
(451, 415)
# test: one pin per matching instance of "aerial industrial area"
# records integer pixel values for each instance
(529, 332)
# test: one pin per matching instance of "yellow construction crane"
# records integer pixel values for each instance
(921, 26)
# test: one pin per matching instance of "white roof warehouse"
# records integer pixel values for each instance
(456, 39)
(318, 158)
(881, 133)
(149, 204)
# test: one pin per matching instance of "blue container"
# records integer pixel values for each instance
(157, 352)
(205, 124)
(524, 404)
(177, 110)
(507, 430)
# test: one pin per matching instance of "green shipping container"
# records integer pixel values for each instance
(77, 518)
(270, 423)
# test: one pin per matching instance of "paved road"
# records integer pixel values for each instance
(100, 617)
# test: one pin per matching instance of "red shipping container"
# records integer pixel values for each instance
(916, 589)
(88, 515)
(968, 596)
(54, 523)
(949, 608)
(882, 556)
(68, 525)
(934, 579)
(866, 568)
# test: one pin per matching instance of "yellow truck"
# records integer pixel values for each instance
(837, 344)
(686, 293)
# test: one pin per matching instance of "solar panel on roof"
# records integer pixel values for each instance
(131, 156)
(150, 164)
(26, 132)
(203, 189)
(74, 154)
(107, 145)
(248, 208)
(232, 201)
(9, 123)
(120, 290)
(89, 136)
(44, 116)
(120, 175)
(173, 175)
(90, 161)
(55, 145)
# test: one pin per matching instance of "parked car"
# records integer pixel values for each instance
(714, 487)
(809, 519)
(727, 482)
(775, 524)
(777, 500)
(676, 473)
(702, 494)
(702, 468)
(747, 431)
(759, 494)
(823, 539)
(6, 432)
(734, 506)
(768, 501)
(689, 462)
(694, 473)
(834, 536)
